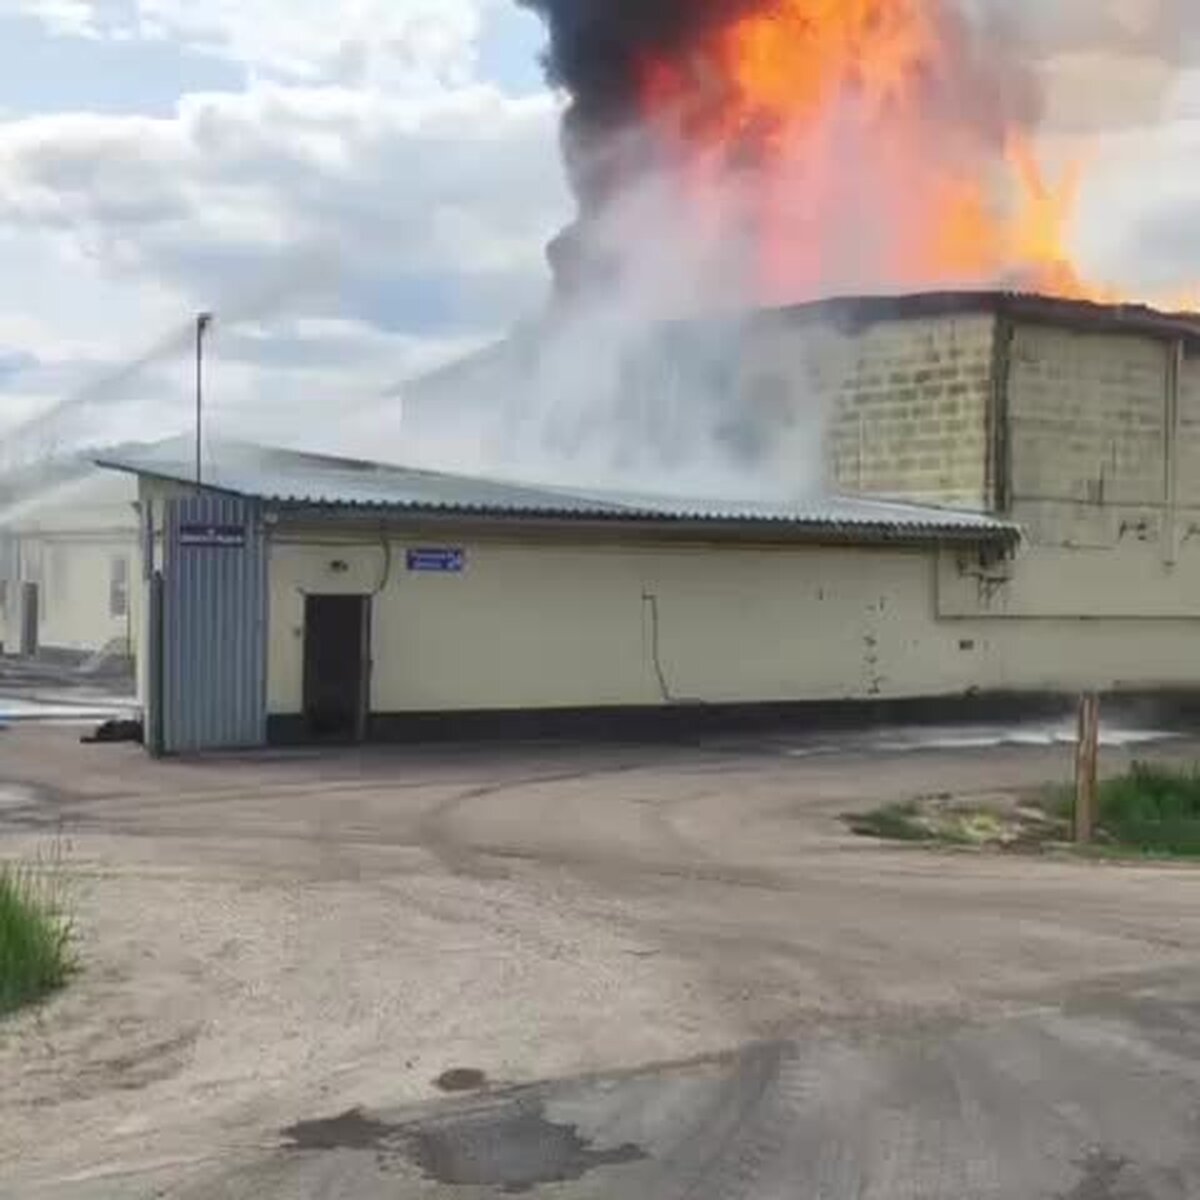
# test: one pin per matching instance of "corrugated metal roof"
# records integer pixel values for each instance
(298, 480)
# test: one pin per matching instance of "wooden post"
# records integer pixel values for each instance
(1087, 752)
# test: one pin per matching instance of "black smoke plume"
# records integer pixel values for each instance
(595, 50)
(595, 45)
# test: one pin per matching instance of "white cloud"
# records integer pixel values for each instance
(316, 40)
(365, 207)
(74, 18)
(459, 184)
(382, 42)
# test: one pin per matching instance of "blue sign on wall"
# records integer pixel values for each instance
(445, 560)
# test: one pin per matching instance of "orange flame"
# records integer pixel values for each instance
(860, 144)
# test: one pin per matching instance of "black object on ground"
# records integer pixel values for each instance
(116, 731)
(461, 1079)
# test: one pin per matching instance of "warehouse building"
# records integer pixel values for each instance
(305, 597)
(1011, 511)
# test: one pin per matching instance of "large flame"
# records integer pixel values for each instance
(860, 145)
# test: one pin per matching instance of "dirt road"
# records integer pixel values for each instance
(677, 972)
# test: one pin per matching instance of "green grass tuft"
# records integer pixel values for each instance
(1152, 810)
(36, 935)
(893, 823)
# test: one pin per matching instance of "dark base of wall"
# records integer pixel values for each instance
(53, 666)
(1171, 710)
(57, 656)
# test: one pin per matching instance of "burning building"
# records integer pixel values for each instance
(739, 163)
(732, 157)
(974, 478)
(736, 163)
(1026, 526)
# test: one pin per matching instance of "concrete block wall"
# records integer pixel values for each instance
(1092, 428)
(1087, 418)
(906, 402)
(1188, 470)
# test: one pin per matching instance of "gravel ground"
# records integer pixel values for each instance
(678, 973)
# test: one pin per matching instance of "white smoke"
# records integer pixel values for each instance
(642, 383)
(608, 388)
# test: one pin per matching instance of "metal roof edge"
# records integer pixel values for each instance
(986, 529)
(160, 476)
(861, 518)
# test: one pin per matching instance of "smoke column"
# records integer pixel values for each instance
(805, 147)
(594, 53)
(734, 155)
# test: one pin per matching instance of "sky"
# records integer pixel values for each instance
(359, 191)
(363, 189)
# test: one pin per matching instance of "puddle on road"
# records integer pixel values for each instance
(515, 1151)
(351, 1131)
(512, 1147)
(969, 736)
(12, 796)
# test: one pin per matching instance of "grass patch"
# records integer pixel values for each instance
(36, 933)
(998, 820)
(1151, 810)
(892, 823)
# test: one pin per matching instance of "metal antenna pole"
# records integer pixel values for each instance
(203, 321)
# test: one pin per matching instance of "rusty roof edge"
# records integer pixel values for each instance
(864, 309)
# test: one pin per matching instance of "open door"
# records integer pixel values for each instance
(336, 654)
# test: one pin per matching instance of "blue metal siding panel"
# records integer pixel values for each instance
(214, 693)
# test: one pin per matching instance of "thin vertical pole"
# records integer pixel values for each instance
(155, 733)
(1087, 752)
(202, 323)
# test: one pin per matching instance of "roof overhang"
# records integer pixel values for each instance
(303, 488)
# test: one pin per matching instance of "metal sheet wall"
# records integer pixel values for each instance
(214, 626)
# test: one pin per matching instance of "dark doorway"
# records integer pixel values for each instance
(31, 603)
(336, 632)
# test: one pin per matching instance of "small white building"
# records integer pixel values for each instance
(68, 551)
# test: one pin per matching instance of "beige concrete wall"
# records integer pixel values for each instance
(1087, 418)
(1124, 578)
(907, 402)
(559, 625)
